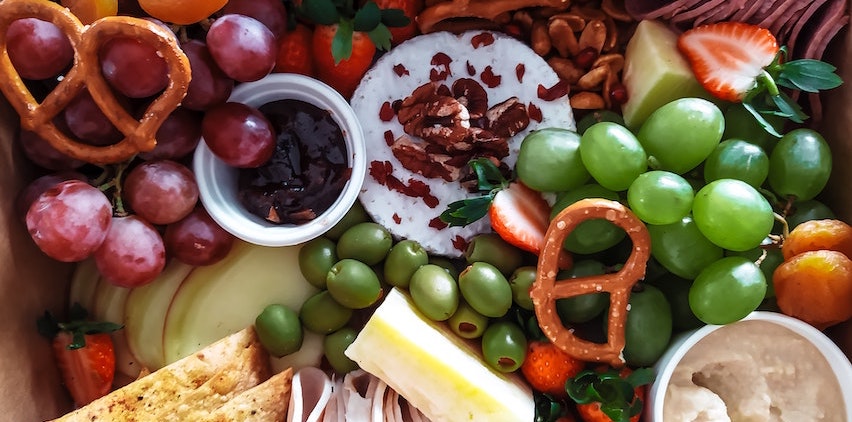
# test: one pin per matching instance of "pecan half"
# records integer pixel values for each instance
(472, 95)
(507, 118)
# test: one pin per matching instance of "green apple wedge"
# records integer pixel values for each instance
(220, 299)
(109, 304)
(84, 281)
(145, 314)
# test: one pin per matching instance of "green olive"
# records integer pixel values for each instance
(316, 257)
(446, 264)
(434, 292)
(335, 344)
(402, 261)
(582, 308)
(521, 281)
(491, 248)
(504, 346)
(356, 214)
(467, 323)
(648, 327)
(353, 284)
(367, 242)
(322, 314)
(485, 288)
(279, 330)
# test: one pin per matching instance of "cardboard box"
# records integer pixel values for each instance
(31, 283)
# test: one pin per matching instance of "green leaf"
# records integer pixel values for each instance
(641, 376)
(381, 37)
(547, 409)
(488, 176)
(466, 211)
(322, 12)
(368, 17)
(341, 44)
(789, 108)
(765, 124)
(394, 18)
(808, 75)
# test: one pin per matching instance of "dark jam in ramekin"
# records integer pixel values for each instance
(306, 173)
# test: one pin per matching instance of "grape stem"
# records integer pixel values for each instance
(111, 178)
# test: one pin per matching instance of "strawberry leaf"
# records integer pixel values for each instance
(466, 211)
(322, 12)
(367, 17)
(394, 18)
(616, 395)
(381, 37)
(767, 126)
(808, 75)
(488, 176)
(341, 44)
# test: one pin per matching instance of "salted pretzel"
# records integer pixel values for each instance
(546, 289)
(446, 15)
(139, 135)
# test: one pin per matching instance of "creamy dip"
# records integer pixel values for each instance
(753, 371)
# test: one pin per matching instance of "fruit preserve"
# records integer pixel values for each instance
(306, 173)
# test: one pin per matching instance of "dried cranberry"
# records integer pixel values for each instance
(489, 78)
(586, 58)
(389, 137)
(386, 112)
(520, 69)
(534, 112)
(400, 70)
(437, 224)
(618, 94)
(482, 39)
(558, 90)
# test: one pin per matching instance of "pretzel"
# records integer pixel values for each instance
(139, 135)
(449, 14)
(546, 289)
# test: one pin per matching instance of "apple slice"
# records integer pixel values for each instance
(109, 306)
(145, 314)
(84, 281)
(225, 297)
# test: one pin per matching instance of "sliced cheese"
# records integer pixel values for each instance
(437, 372)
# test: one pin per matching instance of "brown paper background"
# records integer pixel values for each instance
(30, 283)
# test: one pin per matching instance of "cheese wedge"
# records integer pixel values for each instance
(204, 380)
(437, 372)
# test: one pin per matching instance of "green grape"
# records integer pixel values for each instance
(660, 197)
(732, 214)
(767, 265)
(727, 290)
(681, 134)
(808, 210)
(585, 307)
(682, 249)
(737, 159)
(594, 235)
(648, 327)
(549, 160)
(800, 164)
(612, 155)
(676, 290)
(740, 124)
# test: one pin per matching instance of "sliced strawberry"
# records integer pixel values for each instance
(87, 371)
(520, 216)
(727, 57)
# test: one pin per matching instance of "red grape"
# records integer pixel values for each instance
(177, 137)
(238, 134)
(38, 49)
(209, 85)
(43, 154)
(271, 13)
(132, 254)
(86, 121)
(244, 48)
(197, 239)
(133, 68)
(70, 220)
(29, 193)
(161, 192)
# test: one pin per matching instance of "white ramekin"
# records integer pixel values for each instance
(217, 182)
(683, 343)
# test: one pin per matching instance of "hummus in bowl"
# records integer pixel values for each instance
(767, 367)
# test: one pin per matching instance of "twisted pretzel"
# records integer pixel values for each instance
(450, 14)
(546, 289)
(139, 135)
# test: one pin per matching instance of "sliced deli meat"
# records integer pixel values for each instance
(435, 102)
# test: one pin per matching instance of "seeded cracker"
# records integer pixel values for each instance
(483, 56)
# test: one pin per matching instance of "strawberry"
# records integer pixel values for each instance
(608, 394)
(740, 62)
(548, 367)
(294, 51)
(346, 39)
(342, 74)
(84, 354)
(518, 214)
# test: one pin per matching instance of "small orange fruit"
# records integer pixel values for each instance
(89, 11)
(812, 235)
(181, 12)
(816, 287)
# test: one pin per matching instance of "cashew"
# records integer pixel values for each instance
(539, 38)
(587, 100)
(563, 38)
